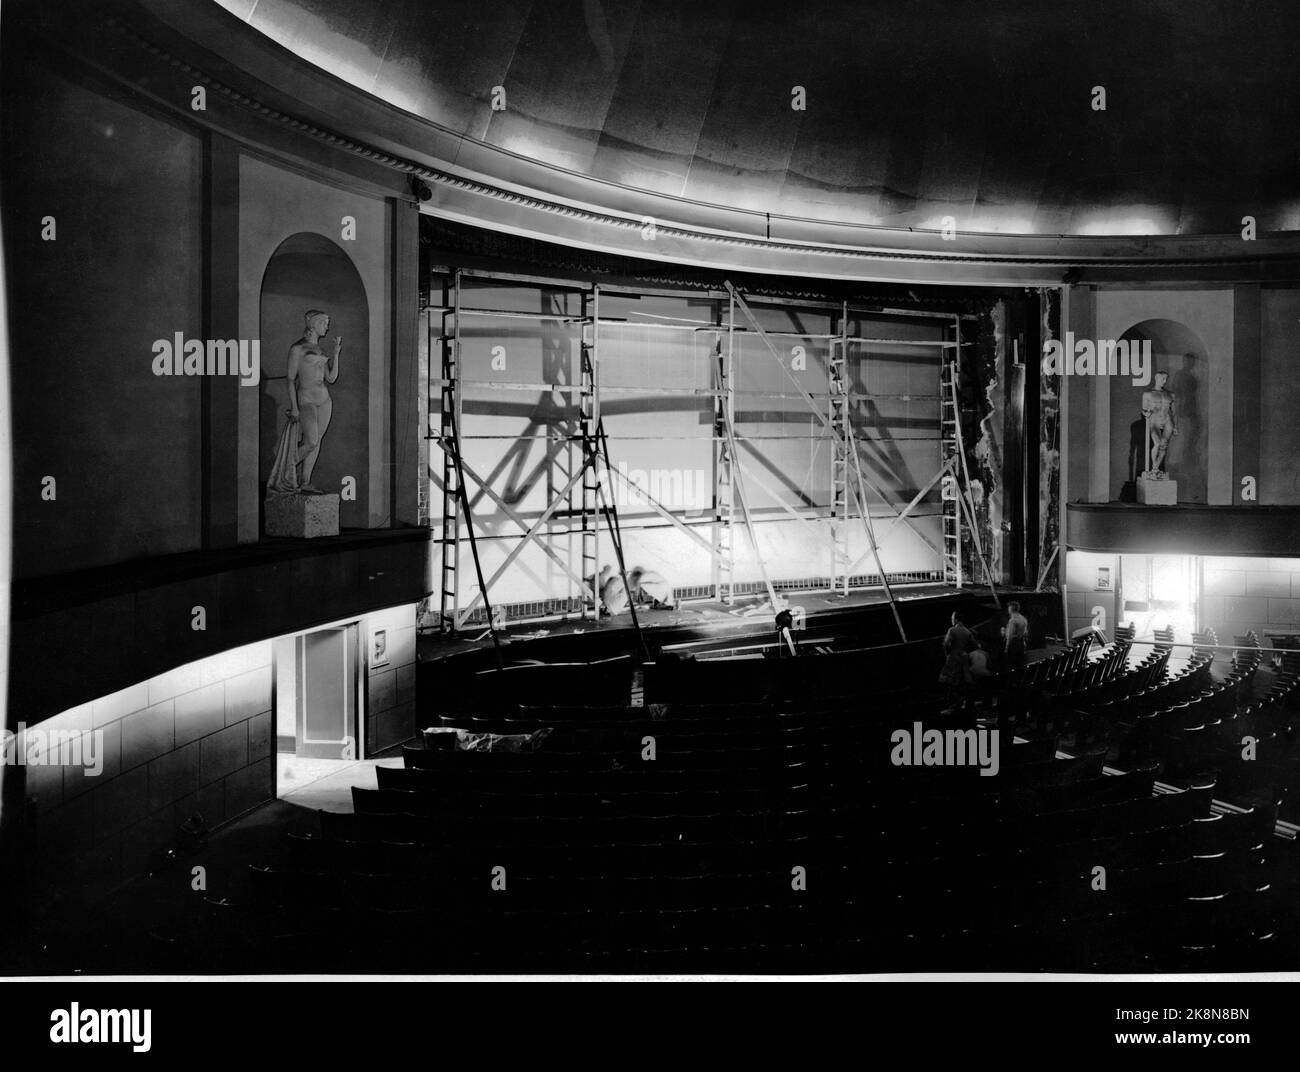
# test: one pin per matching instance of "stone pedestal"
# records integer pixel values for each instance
(1157, 492)
(302, 516)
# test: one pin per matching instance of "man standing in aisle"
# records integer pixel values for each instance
(1016, 635)
(956, 665)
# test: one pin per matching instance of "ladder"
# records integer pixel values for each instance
(424, 500)
(596, 451)
(724, 488)
(959, 474)
(841, 445)
(949, 448)
(589, 420)
(449, 535)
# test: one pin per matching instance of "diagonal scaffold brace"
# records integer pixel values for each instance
(597, 454)
(844, 437)
(454, 446)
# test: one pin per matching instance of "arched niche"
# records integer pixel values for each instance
(1179, 351)
(308, 271)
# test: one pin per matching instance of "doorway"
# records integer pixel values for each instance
(1160, 591)
(319, 704)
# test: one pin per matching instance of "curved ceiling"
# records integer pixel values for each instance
(914, 111)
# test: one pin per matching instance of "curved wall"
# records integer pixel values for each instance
(893, 115)
(498, 168)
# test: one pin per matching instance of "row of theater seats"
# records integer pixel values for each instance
(1055, 687)
(1118, 681)
(893, 875)
(1229, 728)
(830, 864)
(1148, 686)
(782, 833)
(1054, 673)
(1236, 728)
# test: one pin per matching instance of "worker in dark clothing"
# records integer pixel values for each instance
(957, 645)
(785, 643)
(1016, 635)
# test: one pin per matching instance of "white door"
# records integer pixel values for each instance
(328, 676)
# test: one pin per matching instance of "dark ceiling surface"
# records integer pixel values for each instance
(915, 109)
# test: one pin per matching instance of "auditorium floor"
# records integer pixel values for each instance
(161, 922)
(164, 923)
(325, 784)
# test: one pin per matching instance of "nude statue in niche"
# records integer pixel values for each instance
(310, 408)
(1158, 411)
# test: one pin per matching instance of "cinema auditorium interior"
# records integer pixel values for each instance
(814, 488)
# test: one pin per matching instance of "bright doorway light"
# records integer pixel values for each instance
(1160, 591)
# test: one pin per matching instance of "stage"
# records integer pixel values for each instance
(860, 619)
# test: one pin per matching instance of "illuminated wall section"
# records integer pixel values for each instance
(110, 782)
(1240, 594)
(1091, 585)
(196, 740)
(1234, 595)
(390, 677)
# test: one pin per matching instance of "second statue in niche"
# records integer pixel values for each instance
(1154, 485)
(294, 505)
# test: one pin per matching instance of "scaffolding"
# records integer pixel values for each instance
(591, 484)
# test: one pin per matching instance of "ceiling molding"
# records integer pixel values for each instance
(486, 186)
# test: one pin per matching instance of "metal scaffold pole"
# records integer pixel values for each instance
(837, 368)
(600, 453)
